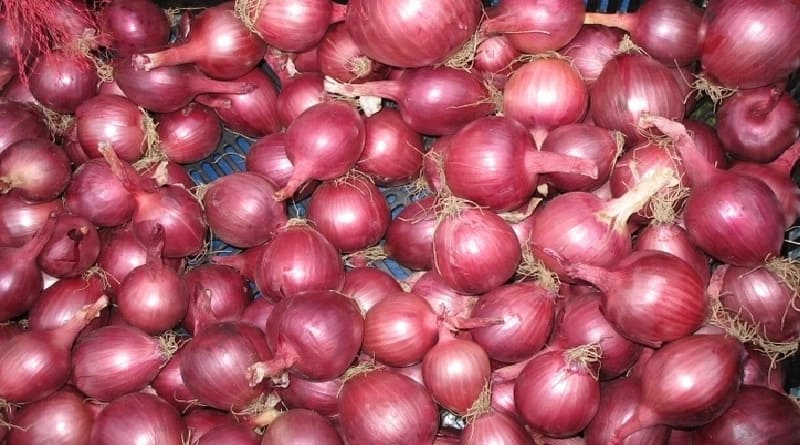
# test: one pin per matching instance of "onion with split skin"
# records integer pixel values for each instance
(72, 249)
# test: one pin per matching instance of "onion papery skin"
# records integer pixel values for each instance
(214, 365)
(97, 195)
(190, 134)
(318, 332)
(551, 386)
(350, 212)
(591, 49)
(61, 81)
(581, 141)
(301, 426)
(409, 238)
(672, 238)
(73, 248)
(650, 297)
(302, 92)
(369, 285)
(760, 297)
(293, 26)
(687, 383)
(527, 311)
(20, 122)
(537, 26)
(21, 219)
(138, 418)
(758, 125)
(441, 297)
(400, 329)
(253, 114)
(59, 302)
(134, 25)
(216, 293)
(392, 149)
(456, 371)
(112, 120)
(230, 434)
(632, 85)
(758, 416)
(267, 157)
(36, 169)
(402, 410)
(494, 428)
(218, 43)
(410, 35)
(318, 396)
(580, 321)
(748, 45)
(240, 209)
(115, 360)
(61, 418)
(475, 251)
(338, 56)
(619, 401)
(298, 259)
(545, 94)
(496, 59)
(169, 385)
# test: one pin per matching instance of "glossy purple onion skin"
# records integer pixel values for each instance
(494, 428)
(321, 397)
(61, 418)
(230, 434)
(138, 418)
(134, 25)
(619, 400)
(301, 427)
(216, 293)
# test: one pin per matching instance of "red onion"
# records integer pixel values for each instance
(619, 401)
(432, 100)
(321, 397)
(110, 88)
(687, 383)
(267, 156)
(167, 173)
(214, 365)
(173, 207)
(400, 329)
(503, 397)
(777, 175)
(672, 238)
(216, 293)
(20, 275)
(20, 219)
(9, 330)
(340, 57)
(240, 210)
(323, 143)
(369, 285)
(200, 421)
(401, 410)
(666, 29)
(764, 297)
(537, 26)
(650, 297)
(246, 262)
(230, 434)
(409, 238)
(527, 311)
(253, 114)
(298, 259)
(496, 58)
(36, 168)
(557, 393)
(315, 335)
(170, 88)
(455, 371)
(60, 418)
(20, 122)
(307, 61)
(169, 385)
(758, 415)
(582, 141)
(591, 49)
(59, 302)
(493, 162)
(301, 93)
(134, 25)
(281, 64)
(759, 124)
(218, 43)
(442, 298)
(494, 428)
(732, 217)
(393, 150)
(545, 94)
(73, 248)
(61, 81)
(139, 418)
(301, 426)
(707, 142)
(581, 227)
(632, 85)
(257, 312)
(294, 26)
(760, 370)
(96, 194)
(350, 212)
(190, 134)
(115, 360)
(36, 363)
(411, 35)
(748, 45)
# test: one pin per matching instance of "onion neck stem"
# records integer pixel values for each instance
(175, 55)
(203, 84)
(338, 13)
(698, 169)
(64, 336)
(34, 247)
(284, 359)
(617, 211)
(600, 277)
(387, 89)
(547, 162)
(765, 106)
(621, 21)
(784, 164)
